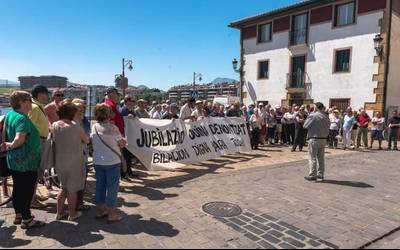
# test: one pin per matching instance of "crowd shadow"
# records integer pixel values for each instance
(85, 232)
(7, 239)
(207, 168)
(353, 184)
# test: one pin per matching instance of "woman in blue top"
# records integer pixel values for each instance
(22, 142)
(348, 123)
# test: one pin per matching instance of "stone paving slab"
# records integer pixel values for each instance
(358, 203)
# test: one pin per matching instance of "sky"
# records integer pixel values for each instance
(85, 40)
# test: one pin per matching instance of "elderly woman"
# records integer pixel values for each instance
(107, 145)
(21, 139)
(68, 137)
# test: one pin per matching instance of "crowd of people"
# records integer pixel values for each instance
(33, 123)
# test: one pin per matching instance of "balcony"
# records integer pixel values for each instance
(299, 37)
(296, 82)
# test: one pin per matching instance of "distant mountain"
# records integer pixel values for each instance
(143, 87)
(220, 80)
(9, 84)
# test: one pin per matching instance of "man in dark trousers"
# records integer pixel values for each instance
(318, 125)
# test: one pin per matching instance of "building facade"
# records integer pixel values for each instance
(27, 82)
(203, 92)
(323, 50)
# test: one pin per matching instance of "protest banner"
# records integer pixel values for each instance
(166, 144)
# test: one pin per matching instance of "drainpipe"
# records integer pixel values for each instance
(389, 37)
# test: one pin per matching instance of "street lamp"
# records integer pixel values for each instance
(239, 69)
(129, 64)
(198, 76)
(378, 45)
(235, 65)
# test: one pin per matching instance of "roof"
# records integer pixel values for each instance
(305, 4)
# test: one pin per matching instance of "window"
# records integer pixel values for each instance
(299, 32)
(265, 33)
(342, 60)
(341, 104)
(345, 14)
(263, 70)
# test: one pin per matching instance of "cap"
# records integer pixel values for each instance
(174, 105)
(199, 102)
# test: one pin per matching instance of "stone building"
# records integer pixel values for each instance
(343, 53)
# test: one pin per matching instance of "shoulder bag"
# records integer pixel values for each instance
(120, 155)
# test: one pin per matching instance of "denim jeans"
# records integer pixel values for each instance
(107, 184)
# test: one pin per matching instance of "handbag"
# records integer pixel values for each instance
(120, 155)
(4, 170)
(48, 160)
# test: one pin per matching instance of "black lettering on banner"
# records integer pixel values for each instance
(219, 146)
(218, 129)
(201, 149)
(168, 157)
(197, 132)
(238, 142)
(156, 138)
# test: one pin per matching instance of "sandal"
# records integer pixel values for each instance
(114, 220)
(74, 218)
(32, 224)
(60, 217)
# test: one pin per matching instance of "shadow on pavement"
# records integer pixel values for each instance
(347, 183)
(86, 232)
(7, 239)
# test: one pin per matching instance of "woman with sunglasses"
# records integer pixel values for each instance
(51, 108)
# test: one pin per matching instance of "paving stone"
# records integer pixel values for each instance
(248, 214)
(266, 245)
(276, 227)
(236, 227)
(260, 226)
(271, 239)
(225, 221)
(252, 237)
(276, 233)
(311, 236)
(294, 242)
(286, 246)
(291, 227)
(254, 229)
(237, 221)
(333, 246)
(313, 243)
(268, 217)
(296, 235)
(260, 219)
(244, 218)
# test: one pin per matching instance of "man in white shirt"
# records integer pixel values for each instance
(186, 111)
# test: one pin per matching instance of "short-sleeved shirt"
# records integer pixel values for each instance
(394, 121)
(27, 157)
(349, 122)
(379, 127)
(363, 119)
(141, 113)
(39, 119)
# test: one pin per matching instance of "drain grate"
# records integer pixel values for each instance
(222, 209)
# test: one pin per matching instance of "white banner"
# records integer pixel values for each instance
(166, 144)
